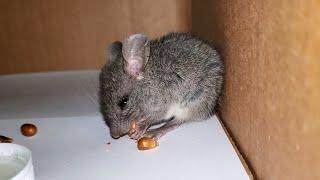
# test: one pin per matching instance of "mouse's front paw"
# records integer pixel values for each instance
(137, 129)
(161, 131)
(154, 133)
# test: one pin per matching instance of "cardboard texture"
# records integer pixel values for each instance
(58, 35)
(272, 101)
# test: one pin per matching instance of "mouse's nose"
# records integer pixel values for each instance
(115, 134)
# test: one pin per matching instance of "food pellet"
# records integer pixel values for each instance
(28, 130)
(146, 143)
(4, 139)
(133, 126)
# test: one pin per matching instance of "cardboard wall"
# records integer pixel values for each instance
(41, 35)
(272, 102)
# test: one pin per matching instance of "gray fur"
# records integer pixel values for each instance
(181, 69)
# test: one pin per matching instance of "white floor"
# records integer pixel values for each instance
(72, 138)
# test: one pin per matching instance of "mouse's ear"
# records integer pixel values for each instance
(136, 53)
(114, 50)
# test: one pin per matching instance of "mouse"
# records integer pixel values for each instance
(162, 82)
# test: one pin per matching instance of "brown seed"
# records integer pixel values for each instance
(146, 143)
(4, 139)
(28, 130)
(108, 143)
(132, 126)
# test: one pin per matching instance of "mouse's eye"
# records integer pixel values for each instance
(123, 102)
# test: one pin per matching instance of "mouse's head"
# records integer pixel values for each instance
(118, 79)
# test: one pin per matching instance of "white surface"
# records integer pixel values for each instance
(43, 95)
(71, 142)
(16, 160)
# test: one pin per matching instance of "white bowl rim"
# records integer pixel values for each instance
(11, 148)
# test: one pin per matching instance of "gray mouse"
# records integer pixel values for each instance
(167, 81)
